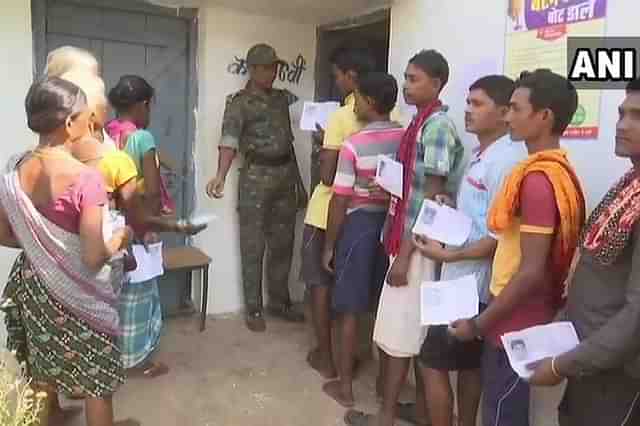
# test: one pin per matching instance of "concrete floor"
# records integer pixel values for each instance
(227, 376)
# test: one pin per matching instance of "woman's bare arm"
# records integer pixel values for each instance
(151, 173)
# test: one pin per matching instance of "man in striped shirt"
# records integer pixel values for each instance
(353, 249)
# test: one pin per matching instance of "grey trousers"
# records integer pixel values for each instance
(611, 399)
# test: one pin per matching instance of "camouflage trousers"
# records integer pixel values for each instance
(267, 212)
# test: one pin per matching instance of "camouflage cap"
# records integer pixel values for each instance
(262, 54)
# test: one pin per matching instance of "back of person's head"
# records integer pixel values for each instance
(382, 88)
(432, 63)
(357, 60)
(66, 58)
(50, 102)
(548, 90)
(92, 86)
(633, 86)
(497, 87)
(130, 90)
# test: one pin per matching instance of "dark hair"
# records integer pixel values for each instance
(130, 90)
(634, 85)
(433, 64)
(382, 88)
(551, 91)
(498, 87)
(50, 101)
(358, 60)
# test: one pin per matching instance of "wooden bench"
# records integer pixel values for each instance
(189, 259)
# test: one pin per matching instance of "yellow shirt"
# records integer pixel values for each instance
(117, 168)
(506, 261)
(342, 124)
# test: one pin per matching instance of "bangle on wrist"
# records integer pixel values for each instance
(554, 369)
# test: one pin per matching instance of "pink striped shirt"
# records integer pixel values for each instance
(358, 162)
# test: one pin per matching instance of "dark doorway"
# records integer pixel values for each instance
(369, 31)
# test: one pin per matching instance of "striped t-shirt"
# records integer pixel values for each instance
(358, 162)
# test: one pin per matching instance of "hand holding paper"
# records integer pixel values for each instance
(442, 223)
(443, 302)
(316, 113)
(527, 347)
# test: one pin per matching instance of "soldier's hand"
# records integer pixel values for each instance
(215, 188)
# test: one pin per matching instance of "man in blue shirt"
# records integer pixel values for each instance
(492, 160)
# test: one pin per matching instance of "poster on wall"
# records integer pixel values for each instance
(537, 32)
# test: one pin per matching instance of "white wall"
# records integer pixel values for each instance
(223, 34)
(472, 33)
(15, 49)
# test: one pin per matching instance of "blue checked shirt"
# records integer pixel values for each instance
(439, 153)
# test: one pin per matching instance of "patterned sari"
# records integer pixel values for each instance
(61, 317)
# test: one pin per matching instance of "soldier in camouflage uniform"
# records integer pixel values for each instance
(257, 124)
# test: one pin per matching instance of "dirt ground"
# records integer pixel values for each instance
(227, 376)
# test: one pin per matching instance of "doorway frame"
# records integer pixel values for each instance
(190, 15)
(383, 14)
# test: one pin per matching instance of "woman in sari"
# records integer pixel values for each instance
(140, 308)
(63, 289)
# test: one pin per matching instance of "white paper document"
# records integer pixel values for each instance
(202, 219)
(443, 302)
(442, 223)
(389, 175)
(149, 262)
(317, 113)
(112, 221)
(534, 344)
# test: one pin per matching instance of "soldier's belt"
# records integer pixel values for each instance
(271, 161)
